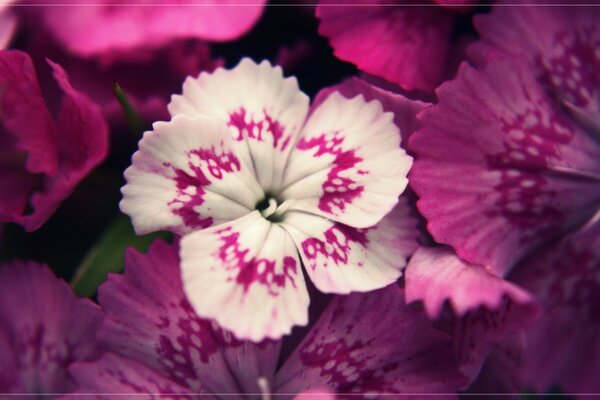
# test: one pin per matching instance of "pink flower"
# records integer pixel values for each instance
(44, 328)
(42, 157)
(124, 25)
(157, 344)
(508, 173)
(255, 182)
(411, 46)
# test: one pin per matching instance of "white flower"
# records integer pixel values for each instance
(254, 182)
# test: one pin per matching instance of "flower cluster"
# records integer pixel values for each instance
(421, 219)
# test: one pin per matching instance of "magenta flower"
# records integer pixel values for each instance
(410, 46)
(361, 343)
(42, 157)
(43, 329)
(122, 26)
(254, 182)
(509, 162)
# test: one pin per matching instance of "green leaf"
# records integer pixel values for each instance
(108, 255)
(135, 121)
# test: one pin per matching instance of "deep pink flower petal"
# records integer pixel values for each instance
(501, 372)
(247, 276)
(404, 109)
(348, 165)
(43, 329)
(562, 47)
(263, 110)
(120, 376)
(341, 259)
(123, 26)
(149, 320)
(372, 343)
(563, 345)
(404, 44)
(187, 175)
(437, 275)
(484, 307)
(500, 167)
(59, 151)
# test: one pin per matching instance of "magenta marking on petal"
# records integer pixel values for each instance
(190, 188)
(344, 365)
(336, 246)
(531, 143)
(572, 71)
(250, 129)
(254, 270)
(338, 191)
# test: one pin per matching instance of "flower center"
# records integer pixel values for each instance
(272, 208)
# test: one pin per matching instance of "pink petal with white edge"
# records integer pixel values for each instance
(500, 168)
(348, 165)
(264, 112)
(186, 176)
(564, 345)
(247, 276)
(437, 275)
(404, 45)
(342, 259)
(372, 343)
(123, 26)
(149, 320)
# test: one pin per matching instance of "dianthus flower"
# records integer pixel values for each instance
(254, 182)
(509, 175)
(361, 343)
(43, 329)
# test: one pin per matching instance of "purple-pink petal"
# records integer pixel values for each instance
(44, 156)
(44, 328)
(372, 343)
(500, 167)
(563, 345)
(436, 275)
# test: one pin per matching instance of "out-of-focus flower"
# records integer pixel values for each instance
(44, 328)
(8, 23)
(412, 46)
(121, 26)
(42, 157)
(251, 178)
(362, 343)
(509, 162)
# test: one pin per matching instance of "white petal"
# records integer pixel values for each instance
(185, 176)
(264, 111)
(348, 165)
(342, 259)
(246, 275)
